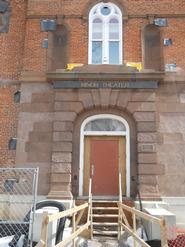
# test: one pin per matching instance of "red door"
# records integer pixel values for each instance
(104, 166)
(104, 157)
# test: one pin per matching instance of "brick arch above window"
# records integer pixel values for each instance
(92, 3)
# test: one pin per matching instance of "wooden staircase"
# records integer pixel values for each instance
(105, 218)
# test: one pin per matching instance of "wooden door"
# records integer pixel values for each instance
(103, 158)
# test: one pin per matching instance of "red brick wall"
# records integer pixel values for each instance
(78, 30)
(35, 57)
(11, 43)
(8, 124)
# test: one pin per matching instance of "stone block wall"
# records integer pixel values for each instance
(71, 105)
(35, 131)
(171, 128)
(49, 131)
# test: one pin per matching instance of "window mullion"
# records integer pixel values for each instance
(111, 44)
(105, 42)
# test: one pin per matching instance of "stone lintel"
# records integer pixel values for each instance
(32, 76)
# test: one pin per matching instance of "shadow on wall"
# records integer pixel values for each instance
(152, 48)
(58, 55)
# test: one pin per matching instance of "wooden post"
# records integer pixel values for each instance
(91, 217)
(119, 222)
(44, 229)
(134, 226)
(74, 227)
(90, 213)
(120, 228)
(164, 242)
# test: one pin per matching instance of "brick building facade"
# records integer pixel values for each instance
(48, 120)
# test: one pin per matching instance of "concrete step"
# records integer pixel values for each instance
(105, 208)
(105, 216)
(108, 233)
(104, 201)
(105, 223)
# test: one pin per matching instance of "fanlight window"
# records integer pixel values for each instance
(105, 34)
(105, 124)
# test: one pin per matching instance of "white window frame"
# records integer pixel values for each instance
(105, 35)
(84, 133)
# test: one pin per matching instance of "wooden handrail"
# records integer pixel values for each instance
(68, 212)
(120, 187)
(133, 234)
(73, 235)
(141, 214)
(132, 231)
(90, 219)
(75, 231)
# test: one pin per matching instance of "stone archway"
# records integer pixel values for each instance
(98, 134)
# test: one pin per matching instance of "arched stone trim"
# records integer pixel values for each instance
(72, 107)
(76, 144)
(92, 3)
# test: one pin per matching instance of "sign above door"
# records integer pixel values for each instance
(105, 84)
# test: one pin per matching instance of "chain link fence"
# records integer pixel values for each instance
(18, 192)
(178, 237)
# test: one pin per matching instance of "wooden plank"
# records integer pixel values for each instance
(44, 229)
(67, 212)
(164, 242)
(73, 236)
(90, 199)
(141, 214)
(122, 163)
(134, 227)
(41, 244)
(74, 227)
(80, 216)
(120, 187)
(125, 218)
(86, 175)
(138, 239)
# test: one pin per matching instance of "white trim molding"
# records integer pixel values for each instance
(84, 133)
(102, 35)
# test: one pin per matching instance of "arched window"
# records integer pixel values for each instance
(105, 124)
(105, 34)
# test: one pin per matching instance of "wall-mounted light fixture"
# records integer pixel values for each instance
(170, 67)
(162, 22)
(48, 25)
(45, 43)
(167, 42)
(12, 144)
(17, 97)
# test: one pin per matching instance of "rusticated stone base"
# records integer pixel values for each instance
(64, 195)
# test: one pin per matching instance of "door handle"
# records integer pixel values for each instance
(92, 170)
